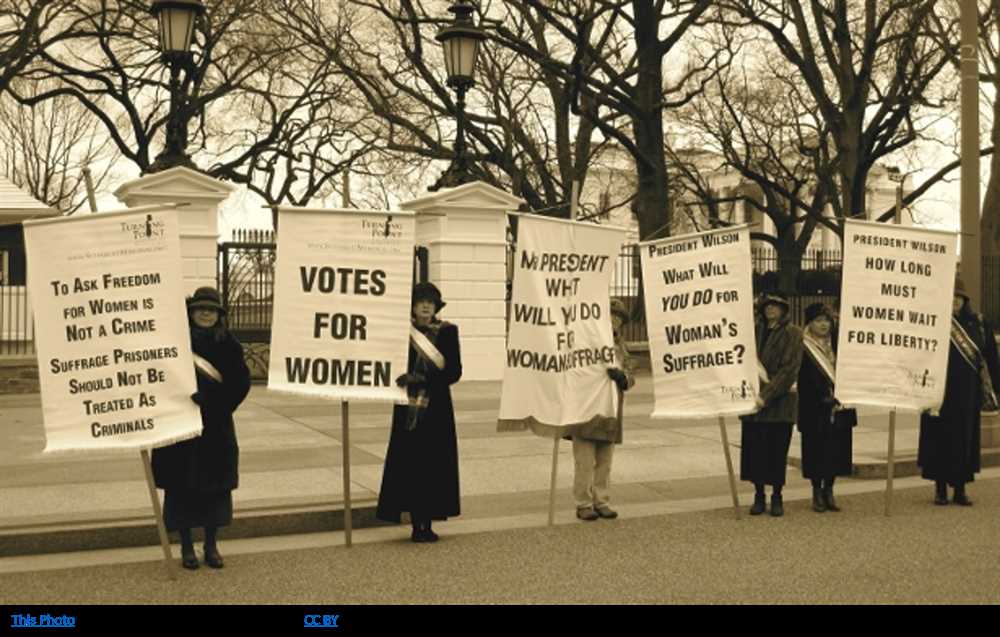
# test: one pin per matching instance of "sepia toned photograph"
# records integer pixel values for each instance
(310, 308)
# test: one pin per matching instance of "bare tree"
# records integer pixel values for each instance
(868, 67)
(28, 27)
(259, 108)
(520, 132)
(764, 129)
(45, 149)
(618, 63)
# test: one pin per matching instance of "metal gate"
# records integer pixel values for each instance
(246, 282)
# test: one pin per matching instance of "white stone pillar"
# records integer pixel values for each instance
(199, 219)
(465, 232)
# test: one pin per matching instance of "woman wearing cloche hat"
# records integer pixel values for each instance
(949, 452)
(826, 428)
(421, 463)
(199, 475)
(767, 434)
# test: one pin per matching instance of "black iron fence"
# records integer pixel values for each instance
(17, 330)
(765, 259)
(246, 282)
(626, 282)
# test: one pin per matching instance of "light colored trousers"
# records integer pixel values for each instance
(592, 480)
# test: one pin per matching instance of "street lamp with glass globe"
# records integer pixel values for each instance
(460, 41)
(176, 20)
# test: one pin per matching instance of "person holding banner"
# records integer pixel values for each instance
(421, 463)
(949, 448)
(825, 427)
(199, 475)
(767, 434)
(594, 443)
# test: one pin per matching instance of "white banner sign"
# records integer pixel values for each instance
(111, 331)
(699, 317)
(560, 343)
(895, 316)
(342, 286)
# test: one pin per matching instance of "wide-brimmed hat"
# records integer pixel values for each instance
(427, 292)
(206, 297)
(817, 310)
(960, 289)
(776, 298)
(618, 308)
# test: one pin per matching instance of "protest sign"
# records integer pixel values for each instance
(560, 343)
(699, 318)
(895, 316)
(343, 280)
(111, 331)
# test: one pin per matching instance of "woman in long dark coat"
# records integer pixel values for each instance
(767, 434)
(421, 463)
(949, 452)
(200, 474)
(825, 428)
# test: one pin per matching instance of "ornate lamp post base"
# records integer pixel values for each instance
(456, 175)
(167, 160)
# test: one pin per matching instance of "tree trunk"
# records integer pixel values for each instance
(789, 260)
(852, 183)
(652, 198)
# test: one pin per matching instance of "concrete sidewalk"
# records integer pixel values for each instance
(692, 552)
(291, 468)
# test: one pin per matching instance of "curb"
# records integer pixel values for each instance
(140, 530)
(905, 465)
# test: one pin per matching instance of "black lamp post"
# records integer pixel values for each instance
(460, 41)
(176, 20)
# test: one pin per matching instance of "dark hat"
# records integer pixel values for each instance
(618, 307)
(817, 310)
(206, 297)
(776, 298)
(428, 292)
(960, 289)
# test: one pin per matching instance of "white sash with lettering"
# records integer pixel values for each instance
(822, 362)
(206, 368)
(425, 347)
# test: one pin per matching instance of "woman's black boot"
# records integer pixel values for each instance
(422, 530)
(831, 504)
(189, 559)
(759, 501)
(212, 556)
(819, 505)
(429, 534)
(777, 505)
(940, 493)
(960, 497)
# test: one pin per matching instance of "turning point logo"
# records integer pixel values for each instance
(738, 392)
(918, 378)
(144, 229)
(384, 229)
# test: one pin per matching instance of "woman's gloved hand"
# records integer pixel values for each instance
(619, 377)
(410, 379)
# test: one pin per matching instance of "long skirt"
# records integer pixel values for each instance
(764, 452)
(185, 509)
(949, 449)
(827, 452)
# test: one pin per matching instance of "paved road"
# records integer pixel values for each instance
(923, 554)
